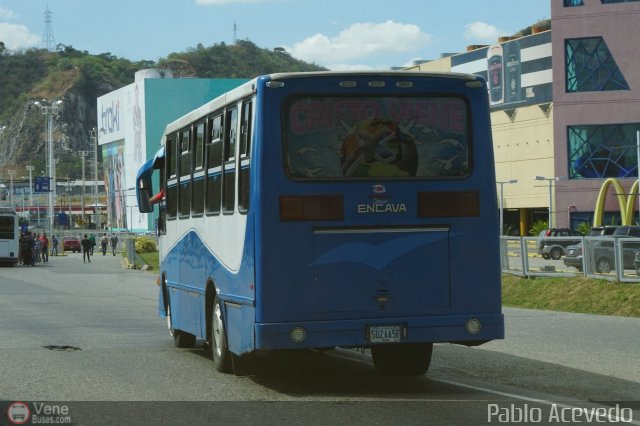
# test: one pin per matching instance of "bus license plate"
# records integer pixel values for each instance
(385, 334)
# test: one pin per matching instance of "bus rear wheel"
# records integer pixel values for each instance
(402, 360)
(221, 356)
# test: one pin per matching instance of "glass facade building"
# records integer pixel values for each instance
(596, 95)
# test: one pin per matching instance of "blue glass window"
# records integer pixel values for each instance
(603, 151)
(572, 3)
(590, 67)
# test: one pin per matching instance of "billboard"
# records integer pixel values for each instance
(518, 72)
(122, 138)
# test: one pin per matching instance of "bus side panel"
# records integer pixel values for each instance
(185, 310)
(240, 328)
(189, 265)
(475, 251)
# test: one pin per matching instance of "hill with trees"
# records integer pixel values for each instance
(79, 78)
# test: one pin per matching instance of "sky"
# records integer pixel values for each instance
(337, 34)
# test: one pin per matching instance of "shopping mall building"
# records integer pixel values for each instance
(131, 121)
(565, 112)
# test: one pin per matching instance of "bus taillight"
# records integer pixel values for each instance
(295, 208)
(449, 204)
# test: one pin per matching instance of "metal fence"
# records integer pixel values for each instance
(123, 238)
(606, 258)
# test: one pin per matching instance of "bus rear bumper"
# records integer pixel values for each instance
(355, 333)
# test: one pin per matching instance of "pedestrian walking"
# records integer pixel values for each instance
(114, 243)
(104, 242)
(26, 249)
(92, 239)
(86, 249)
(54, 246)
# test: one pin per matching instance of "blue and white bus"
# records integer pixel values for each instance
(331, 209)
(9, 236)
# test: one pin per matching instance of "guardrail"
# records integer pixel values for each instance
(608, 258)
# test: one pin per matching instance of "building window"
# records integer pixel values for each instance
(572, 3)
(590, 67)
(602, 151)
(617, 1)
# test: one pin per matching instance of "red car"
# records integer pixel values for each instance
(71, 244)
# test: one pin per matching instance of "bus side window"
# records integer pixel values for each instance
(245, 153)
(214, 166)
(229, 177)
(184, 195)
(197, 201)
(172, 184)
(162, 209)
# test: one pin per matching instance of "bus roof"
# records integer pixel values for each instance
(387, 73)
(248, 88)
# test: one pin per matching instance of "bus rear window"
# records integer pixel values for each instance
(381, 137)
(7, 229)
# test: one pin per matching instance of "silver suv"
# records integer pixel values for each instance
(554, 248)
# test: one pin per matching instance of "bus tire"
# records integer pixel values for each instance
(222, 360)
(604, 265)
(403, 359)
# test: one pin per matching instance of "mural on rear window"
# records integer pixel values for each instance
(376, 137)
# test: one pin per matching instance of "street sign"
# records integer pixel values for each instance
(42, 184)
(62, 219)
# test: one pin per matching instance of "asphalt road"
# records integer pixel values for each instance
(88, 337)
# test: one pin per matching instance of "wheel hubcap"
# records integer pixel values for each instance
(169, 320)
(218, 329)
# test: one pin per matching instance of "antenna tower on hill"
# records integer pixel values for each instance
(48, 40)
(235, 33)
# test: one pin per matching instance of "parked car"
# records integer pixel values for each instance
(555, 248)
(71, 244)
(603, 253)
(636, 263)
(574, 253)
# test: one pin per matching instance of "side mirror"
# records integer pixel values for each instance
(144, 192)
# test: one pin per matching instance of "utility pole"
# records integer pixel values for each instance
(30, 169)
(95, 142)
(83, 154)
(11, 173)
(49, 109)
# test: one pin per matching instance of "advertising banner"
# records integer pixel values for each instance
(518, 72)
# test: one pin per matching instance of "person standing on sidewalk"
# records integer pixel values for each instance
(44, 241)
(86, 249)
(54, 246)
